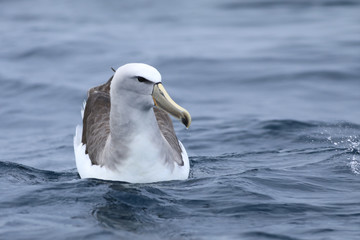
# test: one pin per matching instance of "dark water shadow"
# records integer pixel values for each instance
(139, 210)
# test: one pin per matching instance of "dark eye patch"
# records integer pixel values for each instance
(141, 79)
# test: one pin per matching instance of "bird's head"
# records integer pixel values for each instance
(143, 83)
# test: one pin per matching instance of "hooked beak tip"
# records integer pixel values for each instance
(185, 121)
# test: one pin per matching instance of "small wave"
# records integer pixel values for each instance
(18, 173)
(16, 87)
(250, 128)
(266, 235)
(335, 75)
(44, 52)
(290, 4)
(342, 125)
(286, 124)
(350, 145)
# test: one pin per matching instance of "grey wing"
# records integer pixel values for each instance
(96, 126)
(167, 129)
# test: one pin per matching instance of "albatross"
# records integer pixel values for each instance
(127, 134)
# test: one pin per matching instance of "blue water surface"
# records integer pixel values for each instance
(273, 87)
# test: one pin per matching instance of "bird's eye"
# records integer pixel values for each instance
(141, 79)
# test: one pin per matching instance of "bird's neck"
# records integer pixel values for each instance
(124, 118)
(132, 130)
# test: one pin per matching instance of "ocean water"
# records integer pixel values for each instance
(273, 87)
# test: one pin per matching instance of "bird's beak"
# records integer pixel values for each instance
(164, 101)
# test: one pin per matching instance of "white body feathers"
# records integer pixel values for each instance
(133, 170)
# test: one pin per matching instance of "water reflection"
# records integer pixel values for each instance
(139, 209)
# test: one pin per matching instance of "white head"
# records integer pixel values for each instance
(139, 86)
(137, 81)
(135, 77)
